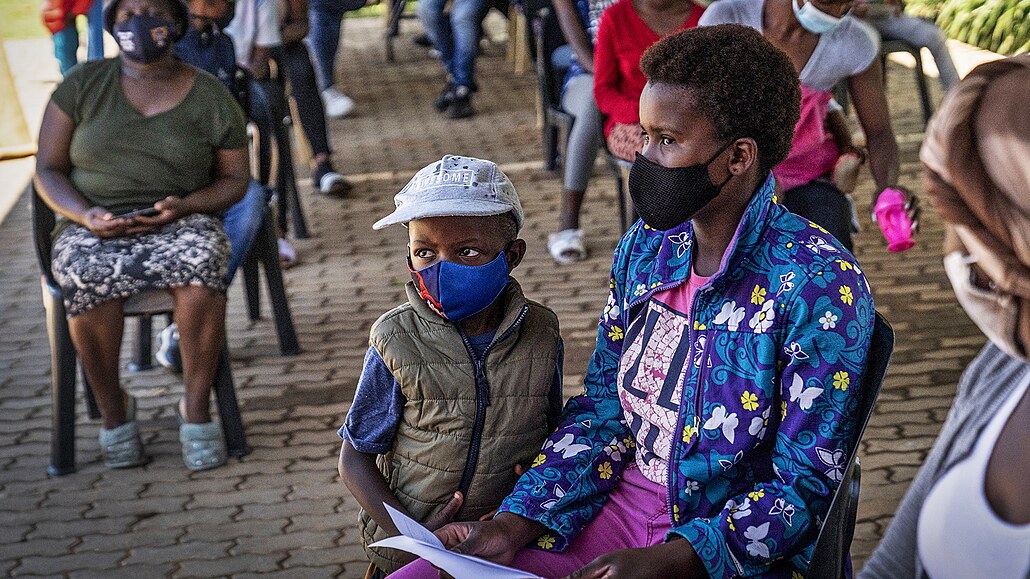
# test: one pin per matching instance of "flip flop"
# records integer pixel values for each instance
(287, 254)
(566, 246)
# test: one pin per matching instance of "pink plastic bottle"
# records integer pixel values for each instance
(893, 220)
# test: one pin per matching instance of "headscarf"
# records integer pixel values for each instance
(977, 159)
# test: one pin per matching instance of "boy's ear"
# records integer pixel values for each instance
(514, 254)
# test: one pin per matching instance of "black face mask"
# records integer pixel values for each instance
(144, 38)
(665, 197)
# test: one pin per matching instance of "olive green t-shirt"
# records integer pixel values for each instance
(122, 160)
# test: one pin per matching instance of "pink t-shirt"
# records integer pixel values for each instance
(651, 373)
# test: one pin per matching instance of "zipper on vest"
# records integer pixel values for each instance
(482, 402)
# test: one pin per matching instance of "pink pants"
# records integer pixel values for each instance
(635, 515)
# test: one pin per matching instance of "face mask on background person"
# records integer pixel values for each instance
(815, 20)
(995, 313)
(665, 197)
(456, 291)
(143, 38)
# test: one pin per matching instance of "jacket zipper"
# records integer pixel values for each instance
(678, 433)
(482, 402)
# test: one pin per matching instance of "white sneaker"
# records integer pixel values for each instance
(337, 104)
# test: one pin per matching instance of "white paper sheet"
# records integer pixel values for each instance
(418, 540)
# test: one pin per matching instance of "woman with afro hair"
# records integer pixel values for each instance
(729, 357)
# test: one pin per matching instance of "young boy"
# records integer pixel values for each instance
(461, 384)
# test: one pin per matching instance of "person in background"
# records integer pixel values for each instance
(827, 45)
(325, 18)
(59, 17)
(889, 19)
(293, 60)
(462, 383)
(967, 512)
(627, 29)
(139, 155)
(577, 98)
(455, 35)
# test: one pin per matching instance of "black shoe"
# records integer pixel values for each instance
(422, 40)
(328, 182)
(443, 101)
(461, 105)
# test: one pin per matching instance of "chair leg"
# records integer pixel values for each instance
(550, 135)
(251, 283)
(266, 251)
(142, 353)
(924, 90)
(286, 182)
(62, 386)
(228, 408)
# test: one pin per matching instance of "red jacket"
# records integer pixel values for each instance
(57, 13)
(622, 38)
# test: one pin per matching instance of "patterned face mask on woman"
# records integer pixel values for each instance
(143, 38)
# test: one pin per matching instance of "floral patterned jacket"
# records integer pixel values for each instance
(768, 409)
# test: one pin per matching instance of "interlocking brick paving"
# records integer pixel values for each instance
(282, 510)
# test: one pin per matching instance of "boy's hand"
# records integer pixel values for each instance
(447, 514)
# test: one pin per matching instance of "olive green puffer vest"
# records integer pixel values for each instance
(465, 425)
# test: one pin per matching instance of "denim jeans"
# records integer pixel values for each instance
(241, 223)
(456, 36)
(66, 42)
(324, 19)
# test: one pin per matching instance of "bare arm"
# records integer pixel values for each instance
(362, 477)
(53, 167)
(871, 107)
(574, 33)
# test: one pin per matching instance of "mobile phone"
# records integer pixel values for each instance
(145, 212)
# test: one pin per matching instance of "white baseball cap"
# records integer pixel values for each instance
(455, 186)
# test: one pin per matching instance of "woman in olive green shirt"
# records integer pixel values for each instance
(143, 132)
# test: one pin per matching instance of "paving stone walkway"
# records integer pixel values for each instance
(282, 511)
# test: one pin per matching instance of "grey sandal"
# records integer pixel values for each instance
(203, 445)
(121, 447)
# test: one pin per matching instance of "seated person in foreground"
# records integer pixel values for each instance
(729, 360)
(144, 131)
(967, 511)
(461, 384)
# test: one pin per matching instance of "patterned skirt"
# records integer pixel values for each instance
(90, 270)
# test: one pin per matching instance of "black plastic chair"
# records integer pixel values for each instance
(394, 13)
(887, 47)
(63, 356)
(890, 46)
(556, 122)
(830, 557)
(620, 170)
(269, 108)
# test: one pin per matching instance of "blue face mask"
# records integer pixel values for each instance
(456, 291)
(815, 20)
